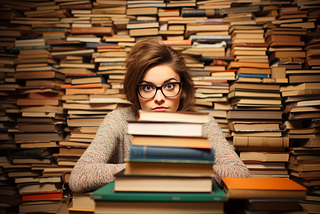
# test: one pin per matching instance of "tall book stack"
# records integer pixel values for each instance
(145, 22)
(255, 98)
(284, 40)
(168, 156)
(302, 127)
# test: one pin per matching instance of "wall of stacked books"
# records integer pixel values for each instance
(255, 65)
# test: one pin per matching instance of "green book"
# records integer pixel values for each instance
(106, 193)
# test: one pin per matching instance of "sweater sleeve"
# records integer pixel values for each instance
(103, 158)
(227, 162)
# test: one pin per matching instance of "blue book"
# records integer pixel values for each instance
(157, 152)
(253, 75)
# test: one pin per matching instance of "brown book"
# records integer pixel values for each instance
(40, 127)
(286, 43)
(254, 114)
(71, 151)
(37, 188)
(84, 121)
(252, 126)
(313, 61)
(255, 101)
(76, 6)
(282, 38)
(237, 64)
(301, 92)
(256, 86)
(262, 142)
(30, 102)
(142, 11)
(39, 75)
(38, 136)
(304, 78)
(278, 54)
(302, 174)
(106, 31)
(43, 82)
(311, 142)
(264, 156)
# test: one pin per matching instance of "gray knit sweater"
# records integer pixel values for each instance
(105, 155)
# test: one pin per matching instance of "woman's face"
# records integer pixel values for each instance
(158, 76)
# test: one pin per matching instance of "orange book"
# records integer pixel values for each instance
(56, 195)
(246, 188)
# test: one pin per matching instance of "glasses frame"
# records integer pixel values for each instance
(159, 88)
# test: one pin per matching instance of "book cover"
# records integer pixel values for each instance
(246, 188)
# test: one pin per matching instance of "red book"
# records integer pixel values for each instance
(47, 196)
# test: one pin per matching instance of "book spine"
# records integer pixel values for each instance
(31, 47)
(153, 152)
(193, 12)
(49, 29)
(253, 75)
(28, 152)
(261, 141)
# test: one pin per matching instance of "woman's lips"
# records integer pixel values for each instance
(160, 109)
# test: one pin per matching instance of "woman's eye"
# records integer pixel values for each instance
(169, 86)
(148, 88)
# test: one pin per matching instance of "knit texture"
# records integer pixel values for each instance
(105, 155)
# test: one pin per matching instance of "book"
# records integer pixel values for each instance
(38, 188)
(147, 183)
(256, 86)
(170, 141)
(254, 114)
(161, 152)
(263, 142)
(107, 31)
(194, 117)
(106, 193)
(55, 195)
(164, 128)
(272, 204)
(265, 156)
(246, 188)
(39, 75)
(169, 167)
(83, 201)
(253, 93)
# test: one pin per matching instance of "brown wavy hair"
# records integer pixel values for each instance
(147, 54)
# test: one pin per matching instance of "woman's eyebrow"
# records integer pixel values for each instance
(151, 83)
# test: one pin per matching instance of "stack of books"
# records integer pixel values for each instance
(168, 157)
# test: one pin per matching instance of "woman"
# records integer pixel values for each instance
(157, 79)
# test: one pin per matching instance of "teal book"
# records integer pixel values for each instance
(106, 193)
(162, 152)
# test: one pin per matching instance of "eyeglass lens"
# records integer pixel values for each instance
(168, 90)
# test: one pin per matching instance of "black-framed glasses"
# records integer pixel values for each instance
(170, 89)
